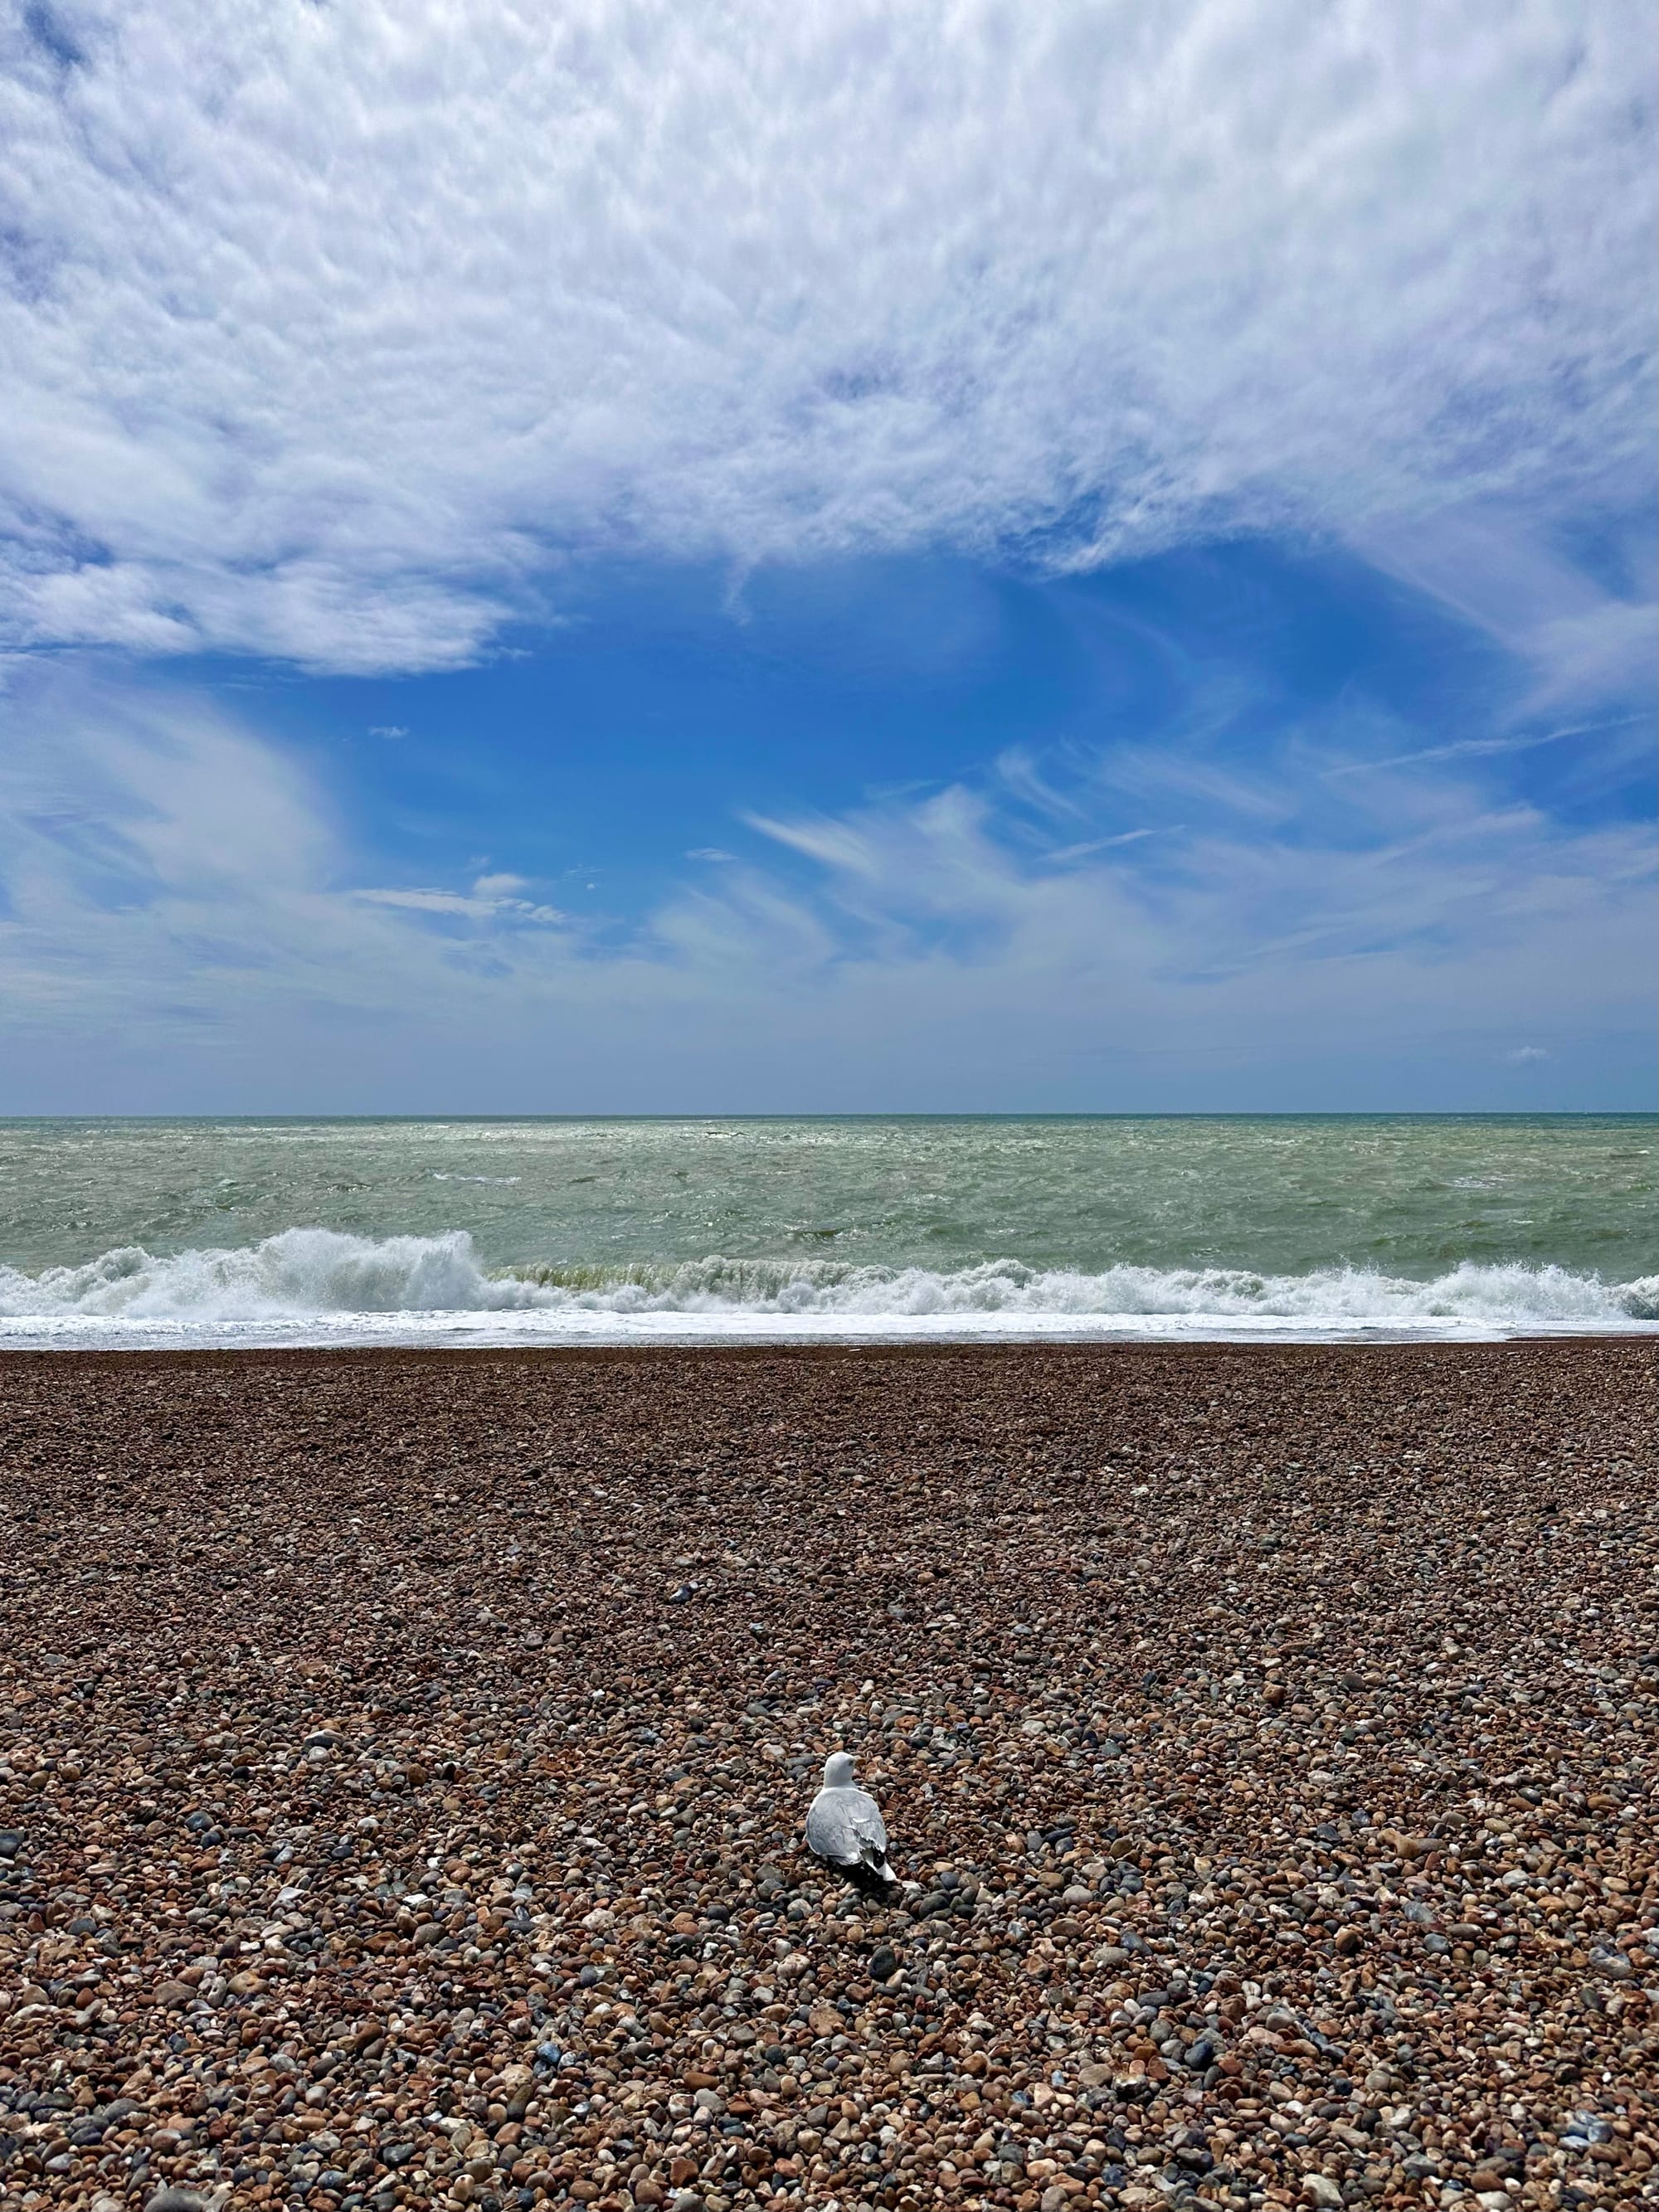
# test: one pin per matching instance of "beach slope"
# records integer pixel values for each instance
(403, 1760)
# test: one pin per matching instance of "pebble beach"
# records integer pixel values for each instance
(403, 1760)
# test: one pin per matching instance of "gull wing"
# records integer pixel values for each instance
(841, 1823)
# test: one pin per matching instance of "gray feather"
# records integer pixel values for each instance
(844, 1826)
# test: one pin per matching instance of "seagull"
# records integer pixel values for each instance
(188, 2200)
(845, 1829)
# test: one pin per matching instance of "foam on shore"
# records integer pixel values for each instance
(319, 1286)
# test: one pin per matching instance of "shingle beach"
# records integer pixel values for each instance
(403, 1761)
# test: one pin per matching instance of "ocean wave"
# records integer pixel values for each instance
(320, 1275)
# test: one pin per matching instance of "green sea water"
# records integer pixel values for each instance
(1407, 1194)
(222, 1225)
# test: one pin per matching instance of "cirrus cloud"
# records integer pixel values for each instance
(183, 922)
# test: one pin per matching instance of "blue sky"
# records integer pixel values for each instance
(845, 559)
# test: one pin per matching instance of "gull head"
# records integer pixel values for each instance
(838, 1770)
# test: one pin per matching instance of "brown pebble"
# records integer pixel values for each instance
(1265, 1731)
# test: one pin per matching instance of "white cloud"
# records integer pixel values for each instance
(1586, 643)
(484, 905)
(1525, 1055)
(1092, 845)
(430, 901)
(180, 926)
(330, 332)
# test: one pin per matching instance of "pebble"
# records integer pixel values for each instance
(1268, 1735)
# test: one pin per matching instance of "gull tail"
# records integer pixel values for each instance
(871, 1875)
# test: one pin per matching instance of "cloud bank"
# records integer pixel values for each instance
(183, 926)
(332, 332)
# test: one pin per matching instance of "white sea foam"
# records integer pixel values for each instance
(317, 1286)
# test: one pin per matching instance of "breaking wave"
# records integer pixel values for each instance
(316, 1285)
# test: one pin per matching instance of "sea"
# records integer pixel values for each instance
(152, 1233)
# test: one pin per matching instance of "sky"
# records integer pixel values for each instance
(950, 557)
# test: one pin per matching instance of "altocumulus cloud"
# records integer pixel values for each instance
(331, 333)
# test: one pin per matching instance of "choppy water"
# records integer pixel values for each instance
(235, 1231)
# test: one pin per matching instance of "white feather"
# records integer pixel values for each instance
(844, 1824)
